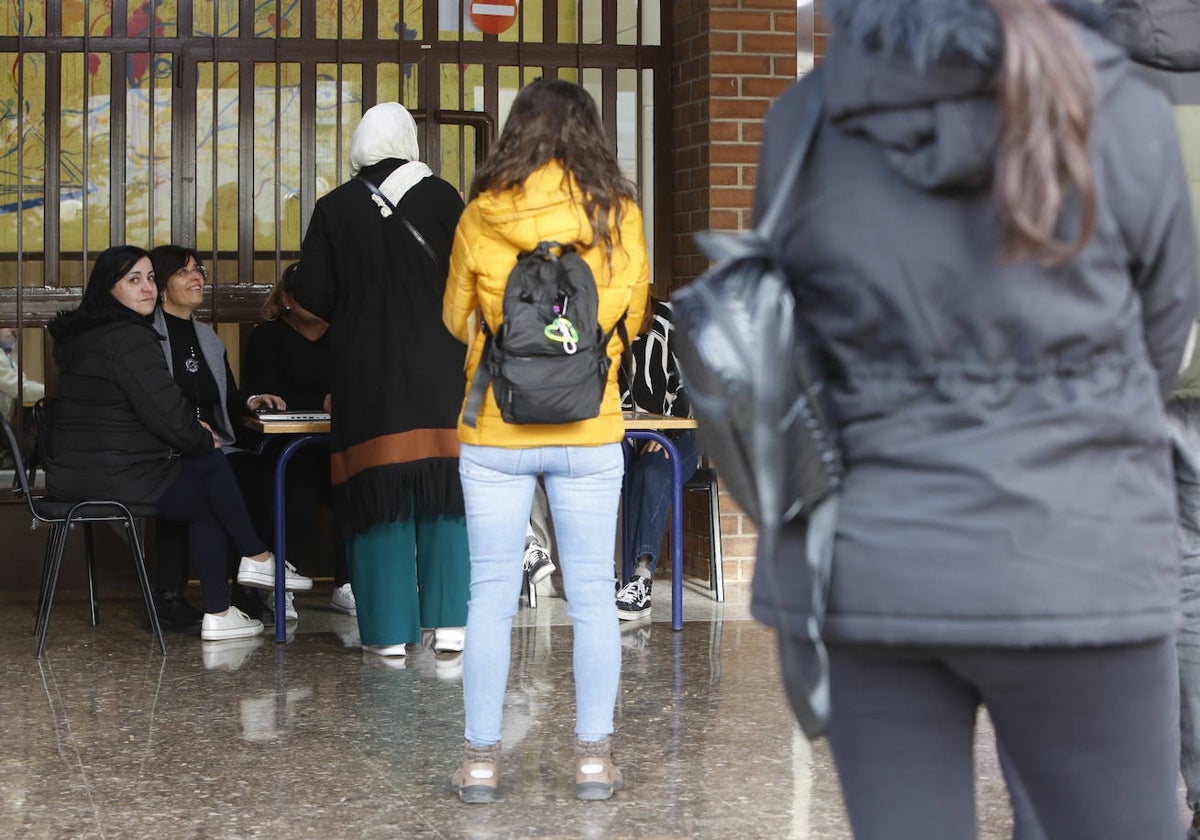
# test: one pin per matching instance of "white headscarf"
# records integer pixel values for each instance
(388, 130)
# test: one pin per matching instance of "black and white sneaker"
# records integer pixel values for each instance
(633, 601)
(538, 564)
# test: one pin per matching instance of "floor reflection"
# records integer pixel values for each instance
(105, 738)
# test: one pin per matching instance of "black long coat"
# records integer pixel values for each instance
(1009, 473)
(398, 378)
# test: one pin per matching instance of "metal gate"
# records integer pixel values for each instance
(218, 123)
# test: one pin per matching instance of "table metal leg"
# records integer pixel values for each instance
(676, 520)
(280, 498)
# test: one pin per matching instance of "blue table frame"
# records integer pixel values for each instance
(677, 480)
(280, 520)
(639, 427)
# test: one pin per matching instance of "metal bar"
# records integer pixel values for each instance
(52, 185)
(806, 37)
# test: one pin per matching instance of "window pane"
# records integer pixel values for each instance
(217, 157)
(160, 18)
(148, 152)
(23, 166)
(214, 17)
(398, 20)
(82, 17)
(339, 108)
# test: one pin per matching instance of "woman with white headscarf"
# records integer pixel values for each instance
(373, 264)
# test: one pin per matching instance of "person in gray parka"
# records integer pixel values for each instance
(1164, 37)
(992, 240)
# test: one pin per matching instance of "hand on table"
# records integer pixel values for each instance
(260, 401)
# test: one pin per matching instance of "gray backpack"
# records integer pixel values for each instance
(548, 360)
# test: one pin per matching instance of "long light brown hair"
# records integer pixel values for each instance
(1046, 93)
(273, 306)
(553, 119)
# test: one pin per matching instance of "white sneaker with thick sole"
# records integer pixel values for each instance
(235, 624)
(343, 600)
(289, 600)
(449, 639)
(260, 574)
(386, 650)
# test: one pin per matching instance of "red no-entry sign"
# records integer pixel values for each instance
(493, 16)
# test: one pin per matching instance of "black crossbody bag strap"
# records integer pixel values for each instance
(416, 234)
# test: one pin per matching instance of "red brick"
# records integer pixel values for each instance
(733, 153)
(725, 176)
(738, 108)
(739, 64)
(764, 86)
(723, 42)
(776, 44)
(740, 21)
(732, 198)
(723, 86)
(724, 131)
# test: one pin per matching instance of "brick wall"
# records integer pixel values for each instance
(731, 59)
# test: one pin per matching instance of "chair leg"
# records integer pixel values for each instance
(56, 534)
(139, 561)
(51, 536)
(531, 591)
(56, 563)
(89, 550)
(716, 573)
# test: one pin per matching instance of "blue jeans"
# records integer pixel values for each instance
(649, 479)
(583, 484)
(1183, 420)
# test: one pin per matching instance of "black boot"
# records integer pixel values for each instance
(177, 615)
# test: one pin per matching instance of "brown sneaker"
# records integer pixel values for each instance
(596, 777)
(475, 781)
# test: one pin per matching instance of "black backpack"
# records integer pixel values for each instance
(755, 377)
(548, 360)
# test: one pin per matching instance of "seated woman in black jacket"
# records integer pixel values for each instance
(122, 430)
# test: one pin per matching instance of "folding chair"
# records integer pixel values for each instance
(62, 517)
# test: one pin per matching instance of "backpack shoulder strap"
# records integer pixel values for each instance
(810, 121)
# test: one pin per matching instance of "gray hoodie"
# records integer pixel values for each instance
(1009, 476)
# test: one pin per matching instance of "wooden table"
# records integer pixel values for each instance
(637, 426)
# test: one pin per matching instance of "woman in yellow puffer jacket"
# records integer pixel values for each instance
(551, 177)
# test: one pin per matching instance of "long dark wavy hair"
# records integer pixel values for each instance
(553, 119)
(1046, 94)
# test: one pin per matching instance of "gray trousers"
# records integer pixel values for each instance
(1183, 419)
(1089, 732)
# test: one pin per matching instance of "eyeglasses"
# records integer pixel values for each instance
(196, 267)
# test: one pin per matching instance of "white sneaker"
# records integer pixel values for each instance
(386, 650)
(289, 600)
(230, 654)
(449, 639)
(260, 574)
(235, 624)
(343, 600)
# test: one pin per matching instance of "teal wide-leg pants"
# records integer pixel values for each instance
(409, 575)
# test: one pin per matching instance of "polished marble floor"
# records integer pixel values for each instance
(105, 738)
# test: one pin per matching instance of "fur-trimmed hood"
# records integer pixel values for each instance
(917, 78)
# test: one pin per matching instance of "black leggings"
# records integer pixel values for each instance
(207, 498)
(1091, 734)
